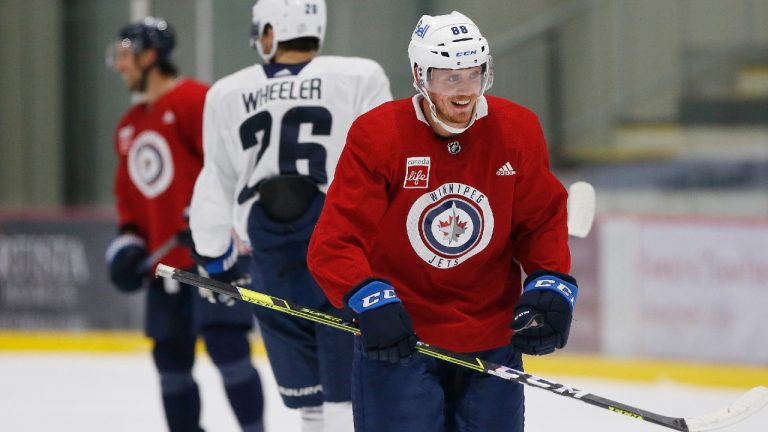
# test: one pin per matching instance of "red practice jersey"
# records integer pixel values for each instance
(449, 222)
(160, 150)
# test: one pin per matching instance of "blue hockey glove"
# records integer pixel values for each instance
(125, 257)
(544, 312)
(224, 268)
(385, 325)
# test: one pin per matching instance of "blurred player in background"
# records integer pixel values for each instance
(272, 136)
(159, 145)
(437, 203)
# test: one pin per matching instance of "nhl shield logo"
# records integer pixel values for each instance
(417, 173)
(454, 147)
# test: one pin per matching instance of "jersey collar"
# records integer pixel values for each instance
(277, 70)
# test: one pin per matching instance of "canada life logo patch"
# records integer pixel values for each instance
(450, 224)
(417, 173)
(124, 139)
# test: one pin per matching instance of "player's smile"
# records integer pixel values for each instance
(455, 110)
(462, 105)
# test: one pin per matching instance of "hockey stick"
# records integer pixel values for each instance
(160, 253)
(581, 208)
(745, 406)
(167, 246)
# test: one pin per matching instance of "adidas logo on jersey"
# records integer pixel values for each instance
(506, 170)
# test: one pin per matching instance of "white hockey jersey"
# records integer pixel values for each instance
(269, 120)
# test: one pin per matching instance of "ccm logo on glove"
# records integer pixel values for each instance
(372, 295)
(569, 292)
(372, 299)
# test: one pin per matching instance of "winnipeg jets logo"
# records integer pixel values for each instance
(450, 224)
(453, 227)
(150, 165)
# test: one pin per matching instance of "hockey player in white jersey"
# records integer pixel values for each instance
(273, 134)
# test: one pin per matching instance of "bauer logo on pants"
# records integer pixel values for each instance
(417, 173)
(450, 224)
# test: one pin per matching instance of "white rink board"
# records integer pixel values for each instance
(668, 280)
(118, 393)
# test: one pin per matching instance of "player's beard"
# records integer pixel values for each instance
(453, 114)
(136, 80)
(132, 80)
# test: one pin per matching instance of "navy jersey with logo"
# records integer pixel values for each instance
(449, 222)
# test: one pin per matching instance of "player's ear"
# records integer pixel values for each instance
(266, 39)
(267, 31)
(147, 57)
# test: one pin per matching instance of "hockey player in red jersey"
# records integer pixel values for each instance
(439, 203)
(160, 152)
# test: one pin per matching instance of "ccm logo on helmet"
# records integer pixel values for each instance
(466, 53)
(376, 297)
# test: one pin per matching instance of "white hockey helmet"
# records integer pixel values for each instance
(450, 41)
(290, 19)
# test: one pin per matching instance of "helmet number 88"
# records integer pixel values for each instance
(459, 30)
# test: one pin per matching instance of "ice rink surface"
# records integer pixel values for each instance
(89, 392)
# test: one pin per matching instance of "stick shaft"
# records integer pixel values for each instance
(159, 253)
(463, 360)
